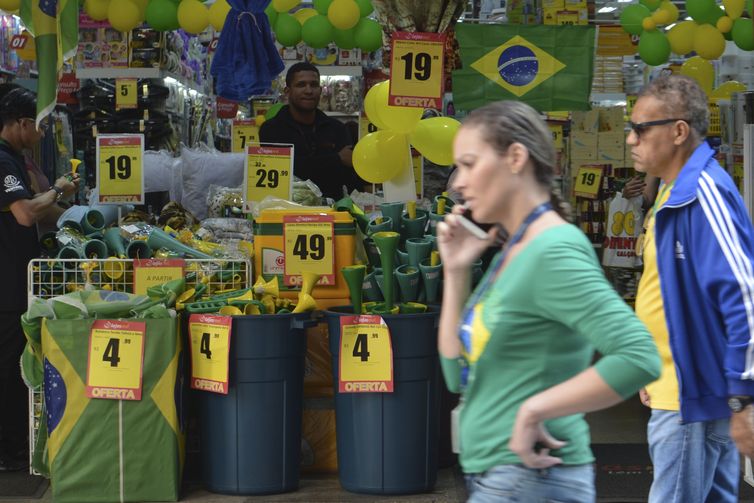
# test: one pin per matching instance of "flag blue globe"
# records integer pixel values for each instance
(518, 65)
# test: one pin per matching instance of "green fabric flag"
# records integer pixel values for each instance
(55, 27)
(548, 67)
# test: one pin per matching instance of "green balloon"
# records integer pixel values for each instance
(654, 47)
(317, 31)
(743, 33)
(703, 11)
(321, 6)
(729, 35)
(631, 18)
(368, 35)
(287, 30)
(272, 14)
(650, 4)
(344, 38)
(162, 15)
(365, 6)
(273, 111)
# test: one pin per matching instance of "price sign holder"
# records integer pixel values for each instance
(268, 171)
(588, 182)
(209, 336)
(244, 132)
(308, 245)
(365, 361)
(120, 168)
(153, 272)
(126, 95)
(116, 360)
(557, 135)
(417, 73)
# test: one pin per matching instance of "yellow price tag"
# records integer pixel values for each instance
(588, 182)
(126, 95)
(630, 102)
(417, 73)
(568, 17)
(365, 127)
(153, 272)
(365, 361)
(308, 246)
(116, 359)
(210, 349)
(244, 133)
(268, 172)
(120, 173)
(557, 135)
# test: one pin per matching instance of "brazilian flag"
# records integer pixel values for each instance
(548, 67)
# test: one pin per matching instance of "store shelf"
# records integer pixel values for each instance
(133, 73)
(596, 97)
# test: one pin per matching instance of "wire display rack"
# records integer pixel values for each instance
(48, 278)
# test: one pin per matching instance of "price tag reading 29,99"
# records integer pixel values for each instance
(365, 361)
(308, 242)
(116, 359)
(268, 172)
(120, 173)
(416, 70)
(209, 336)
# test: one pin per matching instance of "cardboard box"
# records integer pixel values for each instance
(612, 119)
(609, 139)
(588, 121)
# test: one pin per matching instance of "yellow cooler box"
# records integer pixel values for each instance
(321, 241)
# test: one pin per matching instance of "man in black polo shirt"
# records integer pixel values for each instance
(322, 146)
(20, 210)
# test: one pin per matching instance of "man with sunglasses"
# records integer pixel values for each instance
(20, 210)
(696, 296)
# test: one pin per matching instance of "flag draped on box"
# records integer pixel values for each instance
(548, 67)
(55, 27)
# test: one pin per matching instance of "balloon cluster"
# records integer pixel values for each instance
(704, 73)
(383, 154)
(706, 32)
(161, 15)
(344, 22)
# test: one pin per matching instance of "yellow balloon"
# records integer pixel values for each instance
(284, 5)
(124, 15)
(97, 9)
(709, 43)
(648, 23)
(681, 37)
(398, 119)
(142, 4)
(218, 11)
(700, 70)
(10, 5)
(724, 24)
(734, 8)
(344, 14)
(193, 16)
(433, 138)
(671, 9)
(259, 120)
(725, 89)
(302, 15)
(381, 155)
(370, 105)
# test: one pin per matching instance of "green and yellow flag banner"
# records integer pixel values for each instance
(548, 67)
(55, 27)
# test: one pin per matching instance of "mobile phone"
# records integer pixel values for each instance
(478, 230)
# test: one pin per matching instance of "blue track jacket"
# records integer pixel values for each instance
(705, 245)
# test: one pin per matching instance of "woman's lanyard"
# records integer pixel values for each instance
(468, 314)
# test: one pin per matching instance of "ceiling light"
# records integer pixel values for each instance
(606, 9)
(668, 27)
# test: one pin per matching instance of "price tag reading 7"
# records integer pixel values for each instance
(417, 73)
(308, 243)
(244, 133)
(588, 182)
(120, 174)
(268, 172)
(210, 349)
(365, 360)
(115, 361)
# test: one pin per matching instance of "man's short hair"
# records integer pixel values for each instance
(682, 97)
(299, 67)
(18, 104)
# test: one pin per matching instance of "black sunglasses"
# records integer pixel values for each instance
(640, 127)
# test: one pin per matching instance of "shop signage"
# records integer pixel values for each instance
(126, 95)
(244, 133)
(557, 135)
(417, 70)
(308, 246)
(116, 360)
(588, 182)
(226, 109)
(68, 85)
(153, 272)
(268, 171)
(365, 361)
(209, 336)
(24, 45)
(120, 173)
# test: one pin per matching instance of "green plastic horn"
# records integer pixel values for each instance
(93, 221)
(418, 249)
(409, 282)
(387, 243)
(94, 248)
(161, 239)
(115, 243)
(370, 290)
(431, 276)
(394, 211)
(379, 224)
(354, 276)
(138, 248)
(49, 244)
(414, 227)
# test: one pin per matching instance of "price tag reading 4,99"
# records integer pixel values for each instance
(416, 70)
(365, 361)
(210, 347)
(268, 172)
(120, 173)
(116, 359)
(244, 133)
(308, 246)
(588, 182)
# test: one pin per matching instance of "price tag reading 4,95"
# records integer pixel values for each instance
(120, 173)
(268, 172)
(308, 246)
(416, 70)
(116, 359)
(244, 133)
(365, 361)
(210, 347)
(588, 182)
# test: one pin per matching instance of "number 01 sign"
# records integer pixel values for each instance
(120, 173)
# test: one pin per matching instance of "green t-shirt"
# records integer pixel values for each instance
(539, 325)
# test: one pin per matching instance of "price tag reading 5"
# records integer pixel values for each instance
(120, 174)
(126, 94)
(244, 133)
(588, 182)
(308, 241)
(416, 70)
(365, 361)
(268, 172)
(210, 347)
(115, 362)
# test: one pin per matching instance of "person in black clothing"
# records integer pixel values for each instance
(20, 210)
(322, 146)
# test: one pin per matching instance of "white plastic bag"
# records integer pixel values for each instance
(624, 225)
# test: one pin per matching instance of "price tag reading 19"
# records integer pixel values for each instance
(308, 246)
(268, 172)
(416, 70)
(116, 359)
(588, 182)
(244, 133)
(365, 361)
(210, 347)
(120, 173)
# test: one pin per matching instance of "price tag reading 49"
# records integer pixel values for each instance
(308, 246)
(365, 362)
(116, 359)
(268, 172)
(120, 173)
(210, 347)
(588, 182)
(416, 70)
